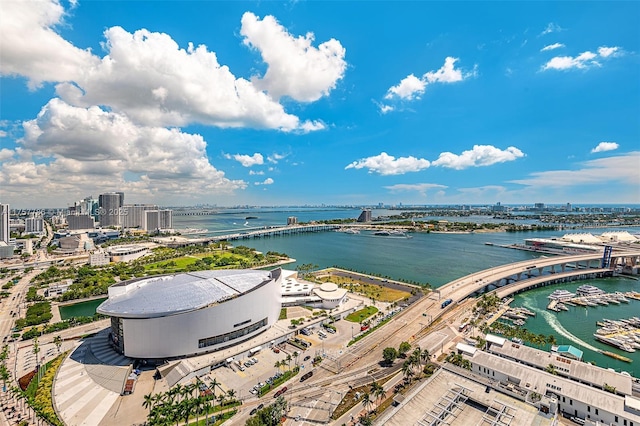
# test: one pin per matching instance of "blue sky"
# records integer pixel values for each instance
(309, 102)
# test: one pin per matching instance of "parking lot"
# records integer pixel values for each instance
(246, 374)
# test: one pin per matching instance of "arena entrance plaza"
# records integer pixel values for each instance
(129, 408)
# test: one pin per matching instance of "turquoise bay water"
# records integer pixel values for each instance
(435, 259)
(577, 325)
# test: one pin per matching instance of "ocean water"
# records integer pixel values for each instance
(435, 259)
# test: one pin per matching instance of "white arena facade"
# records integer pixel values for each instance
(191, 313)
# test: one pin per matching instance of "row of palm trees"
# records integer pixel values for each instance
(457, 359)
(287, 361)
(416, 361)
(510, 332)
(375, 395)
(184, 401)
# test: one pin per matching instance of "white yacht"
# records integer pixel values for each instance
(589, 290)
(561, 295)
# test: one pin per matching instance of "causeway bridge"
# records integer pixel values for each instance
(267, 231)
(517, 277)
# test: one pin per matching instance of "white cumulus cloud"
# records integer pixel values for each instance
(89, 148)
(480, 155)
(267, 181)
(249, 160)
(386, 164)
(412, 87)
(582, 61)
(32, 48)
(409, 88)
(552, 47)
(155, 82)
(605, 146)
(295, 67)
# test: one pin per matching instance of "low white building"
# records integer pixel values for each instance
(296, 293)
(126, 253)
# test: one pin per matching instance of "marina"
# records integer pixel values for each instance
(588, 296)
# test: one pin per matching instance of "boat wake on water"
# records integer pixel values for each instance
(552, 320)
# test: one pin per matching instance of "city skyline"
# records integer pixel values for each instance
(294, 103)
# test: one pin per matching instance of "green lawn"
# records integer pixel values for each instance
(362, 314)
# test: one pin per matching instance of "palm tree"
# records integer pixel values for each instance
(425, 355)
(231, 393)
(407, 370)
(377, 390)
(57, 340)
(288, 359)
(148, 402)
(296, 354)
(366, 401)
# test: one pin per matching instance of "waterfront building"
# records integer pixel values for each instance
(572, 369)
(292, 220)
(80, 221)
(365, 216)
(191, 313)
(156, 220)
(134, 215)
(109, 211)
(581, 390)
(5, 230)
(304, 293)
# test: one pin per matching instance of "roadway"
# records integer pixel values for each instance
(360, 363)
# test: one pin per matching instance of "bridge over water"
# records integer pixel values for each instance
(267, 231)
(520, 276)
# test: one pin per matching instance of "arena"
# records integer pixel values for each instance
(191, 313)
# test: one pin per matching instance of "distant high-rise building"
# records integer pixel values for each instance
(568, 208)
(152, 220)
(165, 219)
(133, 215)
(80, 221)
(158, 219)
(292, 220)
(34, 225)
(365, 216)
(498, 207)
(5, 230)
(539, 206)
(110, 208)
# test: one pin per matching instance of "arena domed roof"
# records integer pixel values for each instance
(173, 294)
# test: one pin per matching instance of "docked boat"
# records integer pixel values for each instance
(561, 295)
(589, 290)
(562, 306)
(614, 342)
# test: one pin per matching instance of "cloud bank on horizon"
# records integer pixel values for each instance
(187, 112)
